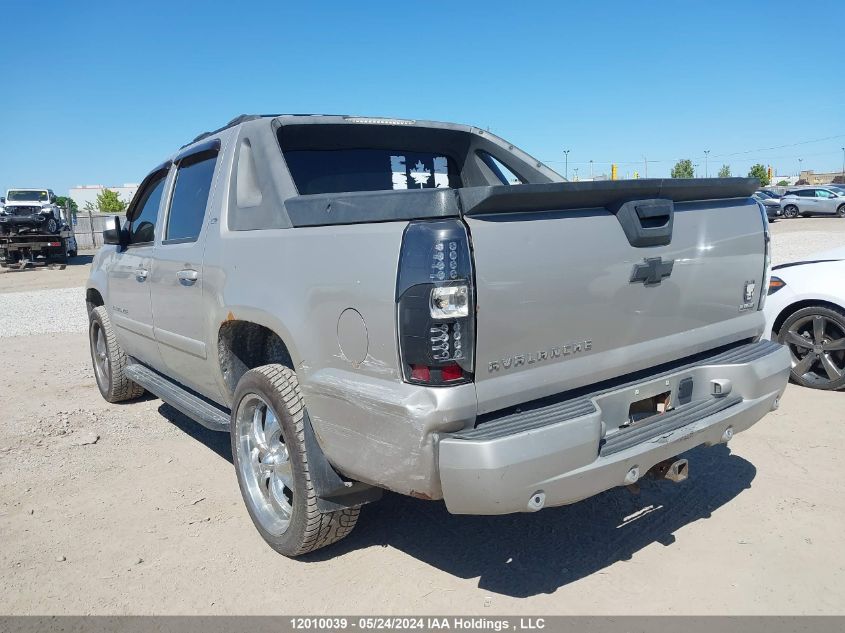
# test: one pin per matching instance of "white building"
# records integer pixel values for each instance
(82, 194)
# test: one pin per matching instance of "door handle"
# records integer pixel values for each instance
(187, 277)
(141, 274)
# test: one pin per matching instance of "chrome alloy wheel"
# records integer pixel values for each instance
(817, 344)
(100, 354)
(265, 465)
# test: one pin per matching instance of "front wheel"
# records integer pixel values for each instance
(816, 339)
(840, 212)
(109, 360)
(51, 226)
(268, 451)
(790, 211)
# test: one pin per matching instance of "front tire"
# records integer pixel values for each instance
(271, 462)
(840, 212)
(109, 360)
(790, 211)
(51, 226)
(815, 337)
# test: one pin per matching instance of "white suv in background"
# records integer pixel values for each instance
(813, 201)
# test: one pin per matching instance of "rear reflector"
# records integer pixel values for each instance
(421, 373)
(451, 372)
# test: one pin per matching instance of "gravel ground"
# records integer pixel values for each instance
(43, 312)
(796, 239)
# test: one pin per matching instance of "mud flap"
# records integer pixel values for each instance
(333, 493)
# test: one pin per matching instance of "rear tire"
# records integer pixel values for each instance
(271, 462)
(109, 360)
(790, 211)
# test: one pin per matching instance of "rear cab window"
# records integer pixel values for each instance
(363, 169)
(347, 158)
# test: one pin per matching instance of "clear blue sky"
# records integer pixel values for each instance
(99, 92)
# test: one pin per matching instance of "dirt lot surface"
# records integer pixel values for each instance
(114, 509)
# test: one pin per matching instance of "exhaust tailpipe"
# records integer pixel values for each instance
(673, 469)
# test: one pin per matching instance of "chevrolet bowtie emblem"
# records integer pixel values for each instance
(652, 271)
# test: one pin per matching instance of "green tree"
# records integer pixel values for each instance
(783, 183)
(725, 171)
(109, 202)
(759, 172)
(683, 169)
(70, 203)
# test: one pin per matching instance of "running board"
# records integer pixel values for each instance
(179, 397)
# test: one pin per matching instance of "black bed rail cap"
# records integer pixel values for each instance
(604, 193)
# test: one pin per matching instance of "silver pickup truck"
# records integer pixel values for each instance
(369, 304)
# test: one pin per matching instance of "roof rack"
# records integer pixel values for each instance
(243, 118)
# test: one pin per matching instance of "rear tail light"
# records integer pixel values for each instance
(435, 300)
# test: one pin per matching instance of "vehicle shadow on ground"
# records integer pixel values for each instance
(522, 555)
(215, 440)
(80, 260)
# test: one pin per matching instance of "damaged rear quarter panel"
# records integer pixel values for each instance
(372, 426)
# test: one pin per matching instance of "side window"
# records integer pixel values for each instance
(806, 193)
(190, 197)
(142, 227)
(822, 193)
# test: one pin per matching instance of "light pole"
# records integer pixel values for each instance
(591, 164)
(645, 162)
(576, 174)
(800, 160)
(843, 161)
(566, 155)
(706, 168)
(695, 170)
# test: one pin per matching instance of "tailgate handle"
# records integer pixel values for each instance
(653, 215)
(646, 222)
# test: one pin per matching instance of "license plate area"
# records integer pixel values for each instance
(627, 407)
(648, 407)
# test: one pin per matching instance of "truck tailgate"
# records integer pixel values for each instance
(582, 282)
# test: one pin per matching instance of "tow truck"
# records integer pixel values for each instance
(22, 245)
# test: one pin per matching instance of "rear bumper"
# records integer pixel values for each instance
(561, 447)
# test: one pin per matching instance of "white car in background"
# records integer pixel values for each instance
(805, 310)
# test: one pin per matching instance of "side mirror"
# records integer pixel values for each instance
(2, 200)
(113, 234)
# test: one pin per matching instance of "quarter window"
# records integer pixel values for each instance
(190, 197)
(142, 226)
